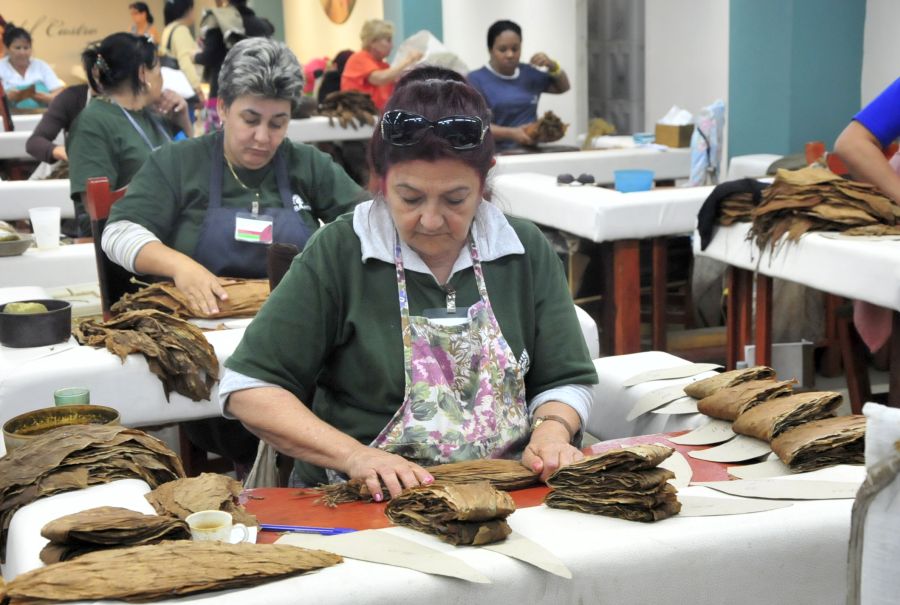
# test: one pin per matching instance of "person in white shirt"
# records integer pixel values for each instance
(29, 83)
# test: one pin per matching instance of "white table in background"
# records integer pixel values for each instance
(752, 166)
(16, 197)
(668, 164)
(318, 128)
(858, 269)
(618, 220)
(52, 268)
(12, 144)
(26, 122)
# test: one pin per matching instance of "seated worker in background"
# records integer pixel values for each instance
(115, 134)
(367, 71)
(512, 89)
(59, 117)
(433, 328)
(861, 146)
(29, 83)
(206, 207)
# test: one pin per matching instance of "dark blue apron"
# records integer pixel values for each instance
(218, 251)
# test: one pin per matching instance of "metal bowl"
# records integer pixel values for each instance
(19, 330)
(23, 428)
(17, 246)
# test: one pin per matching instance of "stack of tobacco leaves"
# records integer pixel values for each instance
(623, 483)
(708, 386)
(208, 491)
(502, 474)
(823, 443)
(731, 402)
(176, 351)
(470, 514)
(349, 107)
(772, 418)
(106, 527)
(736, 208)
(547, 129)
(162, 571)
(74, 457)
(816, 199)
(245, 297)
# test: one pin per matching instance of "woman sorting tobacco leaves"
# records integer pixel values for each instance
(426, 327)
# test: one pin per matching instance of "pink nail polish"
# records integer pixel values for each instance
(378, 497)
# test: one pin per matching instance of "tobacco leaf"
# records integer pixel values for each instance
(731, 402)
(771, 418)
(823, 443)
(350, 107)
(547, 129)
(245, 297)
(706, 387)
(208, 491)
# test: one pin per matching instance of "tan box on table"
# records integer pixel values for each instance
(674, 136)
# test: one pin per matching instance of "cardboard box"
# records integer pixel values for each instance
(674, 136)
(790, 360)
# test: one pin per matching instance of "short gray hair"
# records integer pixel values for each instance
(263, 68)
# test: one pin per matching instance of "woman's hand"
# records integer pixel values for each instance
(375, 466)
(521, 137)
(201, 287)
(549, 449)
(174, 108)
(59, 154)
(411, 58)
(542, 60)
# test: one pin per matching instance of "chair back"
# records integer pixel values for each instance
(4, 110)
(114, 279)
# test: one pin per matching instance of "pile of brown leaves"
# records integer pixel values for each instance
(350, 107)
(208, 491)
(502, 474)
(245, 297)
(162, 571)
(822, 443)
(547, 129)
(176, 351)
(623, 483)
(74, 457)
(106, 527)
(471, 514)
(816, 199)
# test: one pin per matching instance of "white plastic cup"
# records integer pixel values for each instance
(214, 526)
(45, 224)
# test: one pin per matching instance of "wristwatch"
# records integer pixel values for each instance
(539, 420)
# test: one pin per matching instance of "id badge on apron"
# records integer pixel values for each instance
(253, 228)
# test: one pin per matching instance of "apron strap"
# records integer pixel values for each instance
(281, 177)
(217, 172)
(141, 132)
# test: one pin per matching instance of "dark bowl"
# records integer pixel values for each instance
(23, 428)
(20, 330)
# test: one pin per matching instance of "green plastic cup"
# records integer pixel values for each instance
(72, 396)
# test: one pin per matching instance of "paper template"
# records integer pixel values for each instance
(519, 547)
(779, 489)
(377, 546)
(770, 467)
(702, 506)
(682, 371)
(737, 450)
(655, 399)
(714, 431)
(685, 405)
(679, 465)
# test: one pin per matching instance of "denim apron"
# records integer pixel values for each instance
(465, 390)
(218, 251)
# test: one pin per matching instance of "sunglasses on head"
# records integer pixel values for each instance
(404, 128)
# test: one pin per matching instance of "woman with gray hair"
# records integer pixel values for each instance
(208, 207)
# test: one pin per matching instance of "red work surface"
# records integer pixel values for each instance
(291, 506)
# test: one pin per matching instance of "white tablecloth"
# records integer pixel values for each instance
(752, 166)
(858, 269)
(596, 213)
(27, 383)
(63, 266)
(796, 554)
(22, 293)
(670, 164)
(612, 401)
(317, 128)
(16, 197)
(25, 122)
(12, 144)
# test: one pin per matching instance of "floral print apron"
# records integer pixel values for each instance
(465, 390)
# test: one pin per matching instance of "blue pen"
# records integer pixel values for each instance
(306, 529)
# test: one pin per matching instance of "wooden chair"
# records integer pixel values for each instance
(114, 279)
(4, 111)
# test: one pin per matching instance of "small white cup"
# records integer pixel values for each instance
(45, 223)
(214, 526)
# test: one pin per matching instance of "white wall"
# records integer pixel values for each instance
(881, 59)
(309, 33)
(686, 56)
(558, 28)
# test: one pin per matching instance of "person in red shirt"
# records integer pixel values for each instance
(367, 71)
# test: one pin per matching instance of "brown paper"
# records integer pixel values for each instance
(162, 571)
(731, 402)
(208, 491)
(666, 508)
(459, 514)
(771, 418)
(245, 297)
(822, 443)
(708, 386)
